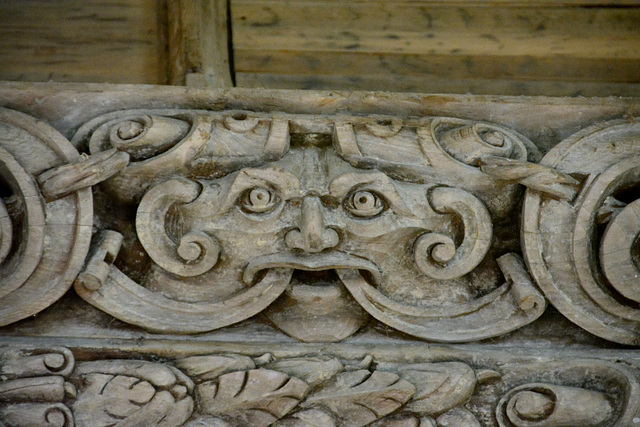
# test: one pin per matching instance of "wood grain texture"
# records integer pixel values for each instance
(365, 45)
(198, 53)
(72, 40)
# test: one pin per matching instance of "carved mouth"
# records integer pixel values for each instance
(312, 270)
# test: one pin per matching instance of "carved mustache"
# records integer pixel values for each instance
(316, 262)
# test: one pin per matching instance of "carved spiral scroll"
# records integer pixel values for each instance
(469, 144)
(146, 136)
(6, 232)
(619, 251)
(37, 362)
(42, 242)
(541, 405)
(14, 274)
(584, 254)
(195, 253)
(616, 245)
(436, 254)
(37, 414)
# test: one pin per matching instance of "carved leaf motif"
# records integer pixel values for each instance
(257, 397)
(313, 370)
(307, 418)
(361, 397)
(458, 417)
(211, 367)
(131, 393)
(440, 386)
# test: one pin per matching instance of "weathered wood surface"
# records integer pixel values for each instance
(544, 120)
(197, 43)
(44, 385)
(74, 40)
(478, 47)
(566, 48)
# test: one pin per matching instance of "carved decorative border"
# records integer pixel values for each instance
(48, 386)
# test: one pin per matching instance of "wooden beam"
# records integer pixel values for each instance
(198, 52)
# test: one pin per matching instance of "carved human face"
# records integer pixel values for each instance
(313, 217)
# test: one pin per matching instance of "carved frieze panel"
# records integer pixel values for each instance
(49, 386)
(320, 223)
(313, 220)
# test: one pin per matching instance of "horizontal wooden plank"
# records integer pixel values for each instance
(353, 64)
(420, 29)
(73, 40)
(440, 85)
(486, 3)
(388, 42)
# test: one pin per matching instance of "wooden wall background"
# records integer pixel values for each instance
(508, 47)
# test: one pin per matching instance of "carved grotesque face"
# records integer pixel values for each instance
(316, 225)
(312, 220)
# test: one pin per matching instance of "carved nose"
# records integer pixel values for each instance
(312, 235)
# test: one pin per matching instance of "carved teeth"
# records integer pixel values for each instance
(316, 262)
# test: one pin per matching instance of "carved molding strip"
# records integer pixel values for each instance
(48, 386)
(320, 223)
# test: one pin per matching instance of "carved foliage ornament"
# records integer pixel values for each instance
(205, 219)
(49, 387)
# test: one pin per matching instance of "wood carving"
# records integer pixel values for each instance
(234, 216)
(584, 253)
(43, 242)
(313, 259)
(232, 390)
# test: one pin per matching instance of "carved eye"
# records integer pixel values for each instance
(258, 200)
(364, 203)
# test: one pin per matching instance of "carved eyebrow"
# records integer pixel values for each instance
(287, 184)
(341, 186)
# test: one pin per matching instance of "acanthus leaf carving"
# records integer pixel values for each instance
(129, 392)
(543, 391)
(210, 367)
(439, 386)
(256, 397)
(360, 397)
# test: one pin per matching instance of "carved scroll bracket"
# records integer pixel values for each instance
(584, 255)
(42, 243)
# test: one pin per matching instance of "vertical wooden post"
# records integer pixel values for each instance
(198, 52)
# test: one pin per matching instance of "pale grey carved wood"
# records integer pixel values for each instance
(237, 390)
(291, 259)
(592, 271)
(43, 241)
(221, 197)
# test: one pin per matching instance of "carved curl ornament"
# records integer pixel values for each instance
(206, 218)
